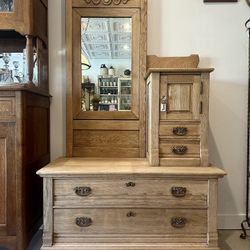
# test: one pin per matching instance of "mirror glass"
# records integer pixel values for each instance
(6, 5)
(106, 49)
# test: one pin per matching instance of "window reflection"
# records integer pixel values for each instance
(106, 64)
(6, 5)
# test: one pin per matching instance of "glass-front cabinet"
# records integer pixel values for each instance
(23, 43)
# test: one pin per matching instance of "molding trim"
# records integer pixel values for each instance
(106, 2)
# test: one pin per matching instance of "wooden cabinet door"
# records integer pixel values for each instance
(180, 97)
(7, 179)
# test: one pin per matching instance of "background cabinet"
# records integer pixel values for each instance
(27, 17)
(24, 119)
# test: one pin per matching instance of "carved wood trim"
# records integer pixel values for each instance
(106, 2)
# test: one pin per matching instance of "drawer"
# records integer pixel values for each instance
(130, 192)
(179, 148)
(179, 130)
(130, 221)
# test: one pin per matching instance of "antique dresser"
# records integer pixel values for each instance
(135, 177)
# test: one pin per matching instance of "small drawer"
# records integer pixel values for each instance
(180, 130)
(130, 221)
(179, 149)
(129, 192)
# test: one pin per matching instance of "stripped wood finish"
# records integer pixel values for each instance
(181, 117)
(117, 122)
(126, 204)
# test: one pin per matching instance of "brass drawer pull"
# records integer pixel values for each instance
(83, 191)
(130, 184)
(180, 131)
(83, 221)
(179, 191)
(131, 214)
(178, 222)
(179, 150)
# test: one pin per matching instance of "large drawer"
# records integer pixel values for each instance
(129, 192)
(130, 221)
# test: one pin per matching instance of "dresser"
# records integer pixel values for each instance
(126, 204)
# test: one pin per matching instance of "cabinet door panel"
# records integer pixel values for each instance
(3, 152)
(7, 177)
(182, 96)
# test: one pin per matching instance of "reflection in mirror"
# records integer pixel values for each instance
(6, 5)
(106, 64)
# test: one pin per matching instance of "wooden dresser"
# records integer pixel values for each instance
(126, 204)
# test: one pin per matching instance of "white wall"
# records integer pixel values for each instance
(178, 28)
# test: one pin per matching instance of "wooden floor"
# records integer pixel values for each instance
(228, 240)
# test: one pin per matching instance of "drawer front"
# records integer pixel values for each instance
(180, 130)
(130, 221)
(130, 192)
(179, 149)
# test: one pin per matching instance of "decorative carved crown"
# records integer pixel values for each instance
(106, 2)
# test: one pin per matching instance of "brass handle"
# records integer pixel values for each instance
(179, 150)
(83, 221)
(178, 191)
(130, 184)
(180, 131)
(83, 191)
(131, 214)
(178, 222)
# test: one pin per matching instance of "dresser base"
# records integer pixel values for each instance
(109, 246)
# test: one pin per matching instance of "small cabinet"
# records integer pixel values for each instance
(177, 109)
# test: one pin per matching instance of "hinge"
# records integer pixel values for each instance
(201, 90)
(201, 107)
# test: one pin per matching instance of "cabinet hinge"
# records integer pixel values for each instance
(201, 90)
(201, 107)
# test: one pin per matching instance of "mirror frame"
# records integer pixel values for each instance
(77, 119)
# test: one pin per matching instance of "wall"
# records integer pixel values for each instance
(178, 28)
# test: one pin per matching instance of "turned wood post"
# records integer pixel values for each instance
(29, 56)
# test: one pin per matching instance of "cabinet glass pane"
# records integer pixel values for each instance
(6, 5)
(106, 46)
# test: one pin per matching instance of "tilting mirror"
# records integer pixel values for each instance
(106, 63)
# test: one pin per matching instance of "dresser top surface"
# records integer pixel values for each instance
(92, 166)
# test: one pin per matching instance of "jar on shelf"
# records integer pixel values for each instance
(111, 71)
(103, 70)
